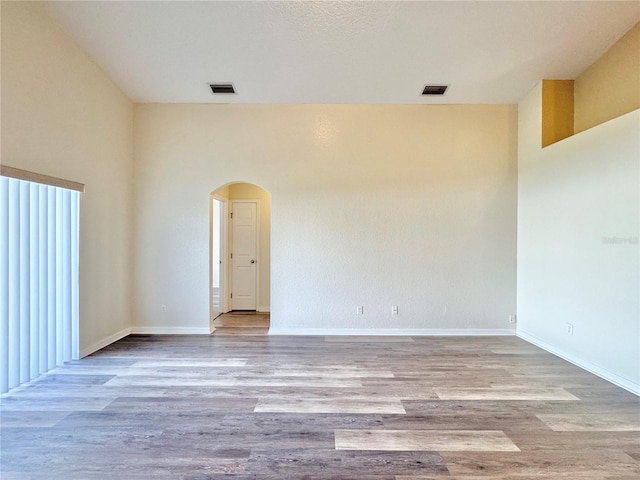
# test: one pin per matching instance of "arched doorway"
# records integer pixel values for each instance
(240, 259)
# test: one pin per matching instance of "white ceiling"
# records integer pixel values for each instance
(342, 52)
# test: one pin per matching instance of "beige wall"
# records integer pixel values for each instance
(376, 206)
(62, 116)
(611, 86)
(245, 191)
(222, 192)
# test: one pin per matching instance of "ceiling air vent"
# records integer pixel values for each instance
(222, 88)
(434, 89)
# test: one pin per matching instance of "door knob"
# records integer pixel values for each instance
(253, 261)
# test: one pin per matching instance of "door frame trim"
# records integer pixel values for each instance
(224, 248)
(230, 243)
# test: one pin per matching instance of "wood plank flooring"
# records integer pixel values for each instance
(241, 407)
(242, 323)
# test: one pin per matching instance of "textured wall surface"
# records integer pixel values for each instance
(62, 116)
(371, 205)
(578, 255)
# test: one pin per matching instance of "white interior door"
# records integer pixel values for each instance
(244, 255)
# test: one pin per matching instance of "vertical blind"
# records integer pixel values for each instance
(38, 279)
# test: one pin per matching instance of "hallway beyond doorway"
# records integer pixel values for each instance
(242, 323)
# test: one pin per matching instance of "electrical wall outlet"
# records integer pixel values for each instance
(360, 310)
(394, 309)
(513, 319)
(163, 308)
(569, 328)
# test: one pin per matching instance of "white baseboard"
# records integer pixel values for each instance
(264, 309)
(104, 342)
(420, 332)
(171, 330)
(588, 366)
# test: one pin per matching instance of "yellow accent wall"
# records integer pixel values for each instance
(611, 86)
(223, 192)
(557, 110)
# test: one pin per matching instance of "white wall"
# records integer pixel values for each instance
(371, 205)
(572, 197)
(62, 116)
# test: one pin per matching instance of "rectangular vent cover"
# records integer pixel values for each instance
(218, 88)
(434, 89)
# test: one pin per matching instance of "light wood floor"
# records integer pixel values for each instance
(242, 323)
(293, 408)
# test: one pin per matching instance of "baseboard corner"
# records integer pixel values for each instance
(579, 362)
(105, 342)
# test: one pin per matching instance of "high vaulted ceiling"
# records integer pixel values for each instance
(342, 52)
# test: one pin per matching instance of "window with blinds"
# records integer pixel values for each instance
(38, 279)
